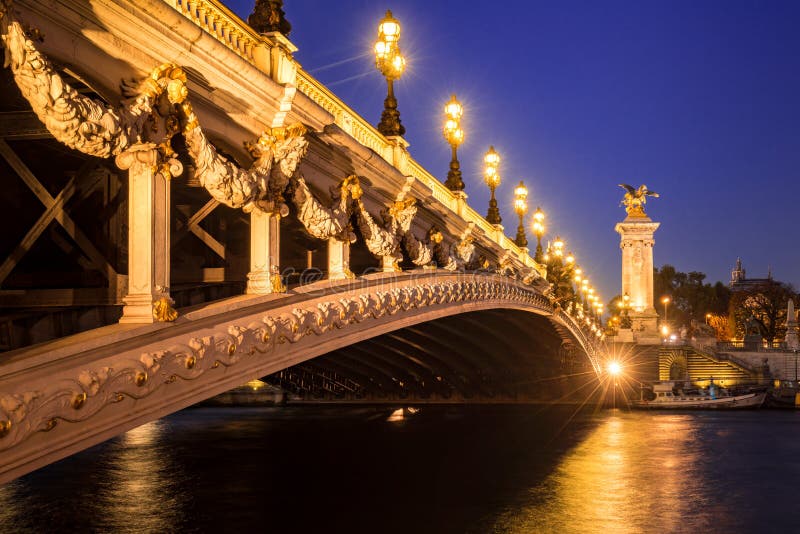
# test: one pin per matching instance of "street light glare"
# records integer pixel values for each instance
(614, 368)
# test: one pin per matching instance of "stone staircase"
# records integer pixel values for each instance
(676, 361)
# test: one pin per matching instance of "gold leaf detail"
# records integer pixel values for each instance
(141, 378)
(78, 401)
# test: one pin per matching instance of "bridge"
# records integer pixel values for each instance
(219, 215)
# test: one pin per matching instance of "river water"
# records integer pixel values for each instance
(488, 469)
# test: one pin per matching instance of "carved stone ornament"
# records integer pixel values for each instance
(322, 222)
(419, 251)
(75, 399)
(277, 153)
(383, 240)
(441, 252)
(78, 121)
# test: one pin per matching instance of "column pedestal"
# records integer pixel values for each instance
(636, 242)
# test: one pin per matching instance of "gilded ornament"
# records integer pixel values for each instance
(141, 378)
(231, 349)
(5, 428)
(277, 281)
(51, 424)
(635, 199)
(78, 401)
(190, 362)
(163, 310)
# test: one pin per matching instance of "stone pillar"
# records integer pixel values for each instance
(461, 202)
(338, 259)
(264, 251)
(148, 299)
(636, 241)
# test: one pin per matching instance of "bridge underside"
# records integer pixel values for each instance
(499, 355)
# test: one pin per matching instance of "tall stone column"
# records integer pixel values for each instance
(636, 241)
(149, 174)
(264, 252)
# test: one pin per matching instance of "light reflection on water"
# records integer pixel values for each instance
(128, 488)
(666, 472)
(134, 495)
(500, 469)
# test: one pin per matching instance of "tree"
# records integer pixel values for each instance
(691, 298)
(766, 302)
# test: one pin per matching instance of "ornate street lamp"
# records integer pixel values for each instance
(454, 135)
(492, 178)
(625, 304)
(538, 229)
(521, 207)
(558, 247)
(391, 63)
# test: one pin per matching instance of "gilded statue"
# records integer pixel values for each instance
(635, 199)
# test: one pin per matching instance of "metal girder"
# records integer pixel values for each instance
(54, 210)
(193, 226)
(22, 125)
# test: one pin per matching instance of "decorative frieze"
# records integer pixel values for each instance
(79, 397)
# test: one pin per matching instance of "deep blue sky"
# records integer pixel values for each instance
(698, 100)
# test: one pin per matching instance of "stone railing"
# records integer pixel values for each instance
(219, 21)
(230, 30)
(741, 346)
(344, 117)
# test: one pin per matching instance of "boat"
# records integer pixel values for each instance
(667, 397)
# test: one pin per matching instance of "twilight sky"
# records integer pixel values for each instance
(700, 100)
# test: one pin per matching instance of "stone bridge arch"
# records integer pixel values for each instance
(69, 394)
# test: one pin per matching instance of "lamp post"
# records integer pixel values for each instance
(538, 229)
(454, 135)
(521, 207)
(558, 247)
(624, 304)
(665, 301)
(492, 178)
(391, 63)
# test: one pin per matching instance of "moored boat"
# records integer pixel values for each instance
(668, 398)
